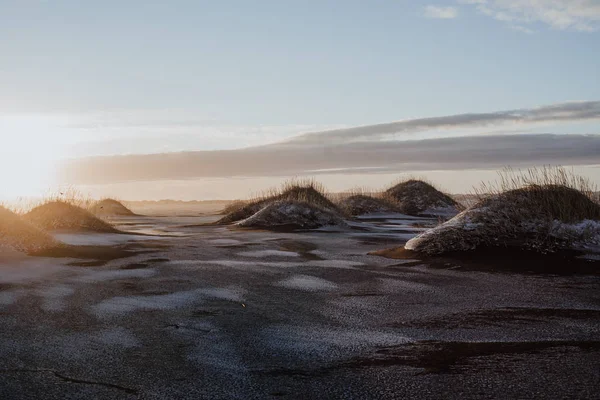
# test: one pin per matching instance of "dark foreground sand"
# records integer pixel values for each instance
(214, 313)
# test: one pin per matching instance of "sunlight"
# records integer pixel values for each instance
(28, 156)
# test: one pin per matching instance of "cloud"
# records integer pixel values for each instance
(577, 15)
(562, 112)
(473, 152)
(520, 28)
(440, 12)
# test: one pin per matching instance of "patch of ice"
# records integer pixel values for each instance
(312, 342)
(29, 271)
(117, 337)
(100, 276)
(10, 297)
(124, 305)
(231, 294)
(269, 253)
(97, 239)
(402, 285)
(307, 283)
(237, 264)
(342, 264)
(391, 216)
(54, 297)
(224, 242)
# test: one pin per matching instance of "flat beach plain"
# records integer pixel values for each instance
(206, 311)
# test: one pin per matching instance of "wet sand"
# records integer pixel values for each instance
(211, 312)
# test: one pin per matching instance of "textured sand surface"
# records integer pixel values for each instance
(222, 313)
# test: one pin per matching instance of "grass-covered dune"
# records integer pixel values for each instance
(110, 207)
(61, 215)
(364, 203)
(298, 204)
(548, 211)
(19, 235)
(416, 197)
(291, 214)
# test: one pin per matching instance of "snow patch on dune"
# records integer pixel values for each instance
(292, 214)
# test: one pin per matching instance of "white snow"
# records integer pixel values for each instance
(108, 275)
(122, 305)
(236, 263)
(294, 213)
(324, 342)
(342, 264)
(30, 270)
(486, 224)
(54, 297)
(224, 242)
(8, 297)
(307, 283)
(269, 253)
(97, 239)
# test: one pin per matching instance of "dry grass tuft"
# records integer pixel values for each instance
(69, 195)
(554, 191)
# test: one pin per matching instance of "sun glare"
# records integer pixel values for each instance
(28, 157)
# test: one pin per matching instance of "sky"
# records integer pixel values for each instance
(112, 78)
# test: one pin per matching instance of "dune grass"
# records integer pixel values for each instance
(556, 192)
(69, 195)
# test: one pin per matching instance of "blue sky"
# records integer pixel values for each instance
(98, 76)
(284, 62)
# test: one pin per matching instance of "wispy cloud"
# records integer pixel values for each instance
(556, 113)
(439, 12)
(577, 15)
(375, 157)
(390, 147)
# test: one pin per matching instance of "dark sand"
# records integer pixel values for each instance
(210, 312)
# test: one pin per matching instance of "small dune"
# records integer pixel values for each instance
(110, 207)
(301, 205)
(538, 218)
(361, 204)
(59, 215)
(416, 197)
(289, 214)
(19, 235)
